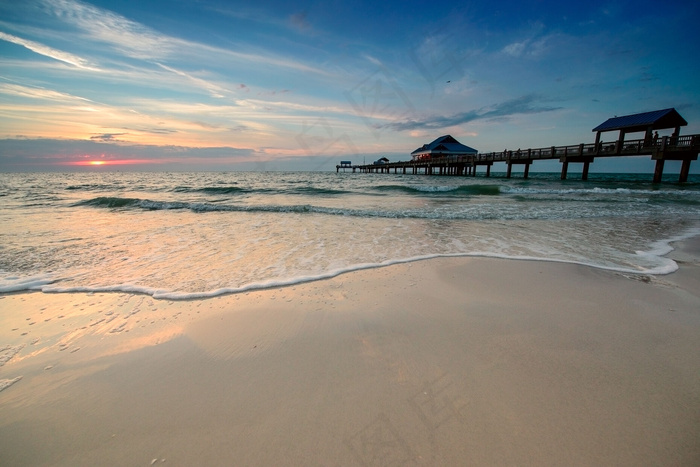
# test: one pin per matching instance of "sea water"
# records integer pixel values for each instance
(194, 235)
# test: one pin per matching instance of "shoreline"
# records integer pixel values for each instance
(41, 284)
(446, 361)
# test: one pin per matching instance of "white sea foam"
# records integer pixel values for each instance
(664, 266)
(663, 247)
(16, 284)
(6, 383)
(599, 191)
(434, 188)
(8, 352)
(649, 261)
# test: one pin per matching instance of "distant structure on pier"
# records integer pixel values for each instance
(447, 156)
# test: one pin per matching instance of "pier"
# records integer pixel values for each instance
(446, 156)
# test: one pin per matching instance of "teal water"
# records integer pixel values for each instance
(187, 235)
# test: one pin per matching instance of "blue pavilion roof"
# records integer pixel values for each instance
(656, 120)
(445, 145)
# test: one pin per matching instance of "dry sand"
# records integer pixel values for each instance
(453, 361)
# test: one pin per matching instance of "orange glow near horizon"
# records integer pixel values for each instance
(111, 162)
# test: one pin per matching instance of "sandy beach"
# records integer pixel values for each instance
(451, 361)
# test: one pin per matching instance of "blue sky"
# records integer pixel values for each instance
(225, 85)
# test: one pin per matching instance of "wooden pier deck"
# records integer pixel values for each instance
(680, 148)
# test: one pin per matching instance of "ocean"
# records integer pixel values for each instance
(199, 235)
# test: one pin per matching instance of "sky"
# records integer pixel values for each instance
(280, 85)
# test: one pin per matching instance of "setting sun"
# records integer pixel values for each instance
(97, 162)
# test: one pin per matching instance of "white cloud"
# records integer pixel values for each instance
(533, 47)
(102, 25)
(533, 44)
(515, 49)
(137, 41)
(50, 52)
(18, 90)
(214, 89)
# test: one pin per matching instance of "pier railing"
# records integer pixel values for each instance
(635, 147)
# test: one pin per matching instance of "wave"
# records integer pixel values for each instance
(150, 205)
(115, 202)
(236, 190)
(110, 202)
(215, 190)
(467, 212)
(203, 207)
(468, 190)
(599, 191)
(318, 191)
(92, 187)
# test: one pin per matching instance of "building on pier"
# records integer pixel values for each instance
(444, 146)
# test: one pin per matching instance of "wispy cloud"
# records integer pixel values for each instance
(107, 137)
(50, 52)
(523, 105)
(18, 90)
(214, 89)
(534, 44)
(527, 47)
(137, 41)
(129, 37)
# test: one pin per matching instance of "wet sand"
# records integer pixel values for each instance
(453, 361)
